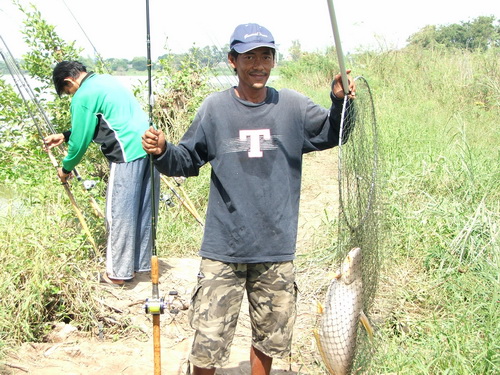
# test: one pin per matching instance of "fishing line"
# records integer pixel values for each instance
(233, 79)
(86, 36)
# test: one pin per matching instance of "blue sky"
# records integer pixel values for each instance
(117, 28)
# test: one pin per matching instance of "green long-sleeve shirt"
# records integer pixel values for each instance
(106, 112)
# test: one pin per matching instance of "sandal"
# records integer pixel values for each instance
(104, 278)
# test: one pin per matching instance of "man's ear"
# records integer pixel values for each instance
(232, 61)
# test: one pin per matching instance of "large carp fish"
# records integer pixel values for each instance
(336, 333)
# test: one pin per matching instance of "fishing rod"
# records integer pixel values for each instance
(27, 87)
(50, 154)
(155, 305)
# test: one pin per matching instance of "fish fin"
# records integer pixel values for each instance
(334, 274)
(322, 352)
(320, 309)
(318, 343)
(366, 323)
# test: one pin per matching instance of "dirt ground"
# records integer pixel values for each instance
(70, 352)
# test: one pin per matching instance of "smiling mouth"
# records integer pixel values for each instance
(258, 74)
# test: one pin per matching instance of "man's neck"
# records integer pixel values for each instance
(81, 77)
(250, 94)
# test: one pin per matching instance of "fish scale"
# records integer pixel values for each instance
(337, 333)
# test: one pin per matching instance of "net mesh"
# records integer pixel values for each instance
(359, 212)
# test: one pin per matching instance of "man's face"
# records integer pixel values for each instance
(254, 67)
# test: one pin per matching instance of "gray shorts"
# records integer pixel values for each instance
(216, 303)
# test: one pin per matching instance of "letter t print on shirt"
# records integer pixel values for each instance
(255, 136)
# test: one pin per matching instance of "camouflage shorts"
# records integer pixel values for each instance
(216, 303)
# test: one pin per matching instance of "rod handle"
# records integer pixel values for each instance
(338, 47)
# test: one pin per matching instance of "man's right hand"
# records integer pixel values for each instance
(153, 141)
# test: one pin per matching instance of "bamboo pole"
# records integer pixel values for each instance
(74, 204)
(155, 272)
(184, 201)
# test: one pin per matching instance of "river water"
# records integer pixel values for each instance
(215, 82)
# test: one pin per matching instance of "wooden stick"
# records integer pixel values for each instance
(155, 272)
(74, 204)
(185, 202)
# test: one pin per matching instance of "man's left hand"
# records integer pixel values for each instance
(338, 88)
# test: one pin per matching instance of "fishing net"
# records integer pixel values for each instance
(358, 188)
(344, 343)
(359, 211)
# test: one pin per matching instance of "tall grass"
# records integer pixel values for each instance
(47, 267)
(49, 270)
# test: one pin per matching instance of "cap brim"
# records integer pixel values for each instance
(245, 47)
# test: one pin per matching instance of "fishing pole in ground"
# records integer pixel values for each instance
(51, 156)
(27, 87)
(155, 305)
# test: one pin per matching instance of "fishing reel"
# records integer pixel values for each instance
(89, 184)
(167, 198)
(156, 306)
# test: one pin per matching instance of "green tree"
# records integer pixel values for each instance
(481, 33)
(139, 63)
(118, 65)
(425, 38)
(45, 49)
(295, 50)
(12, 111)
(3, 68)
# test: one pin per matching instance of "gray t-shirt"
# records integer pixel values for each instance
(255, 151)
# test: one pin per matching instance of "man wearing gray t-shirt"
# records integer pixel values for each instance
(254, 137)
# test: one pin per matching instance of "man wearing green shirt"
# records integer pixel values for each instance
(105, 112)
